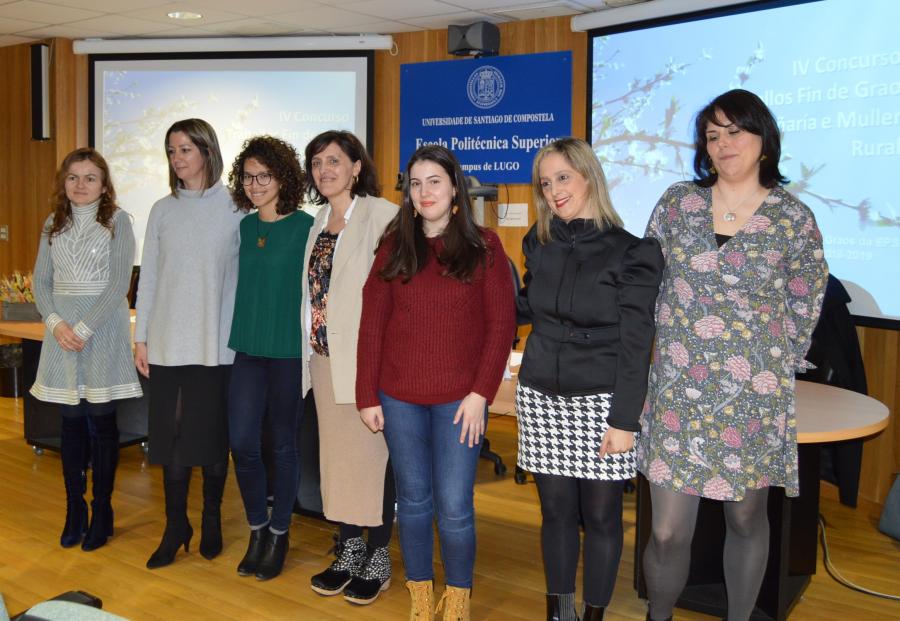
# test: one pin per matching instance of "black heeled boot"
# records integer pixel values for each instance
(74, 445)
(593, 613)
(248, 564)
(272, 560)
(561, 607)
(104, 460)
(211, 524)
(178, 530)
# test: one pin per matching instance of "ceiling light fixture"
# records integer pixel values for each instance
(184, 15)
(233, 44)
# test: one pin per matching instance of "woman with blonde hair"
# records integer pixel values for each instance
(184, 308)
(589, 292)
(81, 277)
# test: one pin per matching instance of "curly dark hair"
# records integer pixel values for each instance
(59, 201)
(750, 113)
(282, 161)
(464, 247)
(366, 183)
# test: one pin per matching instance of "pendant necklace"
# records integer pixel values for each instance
(730, 214)
(262, 237)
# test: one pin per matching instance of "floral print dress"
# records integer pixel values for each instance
(733, 324)
(320, 262)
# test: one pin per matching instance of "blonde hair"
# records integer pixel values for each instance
(579, 155)
(204, 138)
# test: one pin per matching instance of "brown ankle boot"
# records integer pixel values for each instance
(457, 603)
(422, 594)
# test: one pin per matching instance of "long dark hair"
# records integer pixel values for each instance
(365, 184)
(750, 113)
(62, 208)
(280, 158)
(464, 248)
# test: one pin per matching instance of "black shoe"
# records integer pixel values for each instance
(375, 577)
(351, 554)
(561, 607)
(173, 538)
(101, 528)
(76, 524)
(592, 613)
(272, 560)
(211, 526)
(247, 566)
(178, 530)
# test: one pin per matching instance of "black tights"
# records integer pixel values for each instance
(182, 474)
(599, 504)
(379, 536)
(667, 558)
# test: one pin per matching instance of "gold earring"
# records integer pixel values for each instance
(415, 213)
(762, 157)
(455, 210)
(712, 170)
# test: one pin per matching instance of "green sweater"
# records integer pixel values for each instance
(267, 304)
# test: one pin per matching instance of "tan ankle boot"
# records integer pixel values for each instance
(457, 603)
(422, 594)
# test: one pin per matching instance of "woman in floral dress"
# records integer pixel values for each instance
(741, 294)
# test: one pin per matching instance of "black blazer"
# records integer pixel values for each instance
(590, 297)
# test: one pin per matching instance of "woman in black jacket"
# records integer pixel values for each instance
(589, 293)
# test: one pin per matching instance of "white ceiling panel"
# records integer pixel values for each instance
(121, 25)
(402, 9)
(66, 32)
(10, 26)
(375, 28)
(438, 22)
(44, 13)
(107, 6)
(13, 40)
(250, 26)
(325, 17)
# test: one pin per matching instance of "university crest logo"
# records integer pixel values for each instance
(486, 87)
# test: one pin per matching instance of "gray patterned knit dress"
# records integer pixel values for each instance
(82, 278)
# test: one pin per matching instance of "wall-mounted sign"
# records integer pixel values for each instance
(493, 113)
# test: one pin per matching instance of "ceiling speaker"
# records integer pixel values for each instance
(478, 39)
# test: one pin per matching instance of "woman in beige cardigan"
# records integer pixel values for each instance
(356, 479)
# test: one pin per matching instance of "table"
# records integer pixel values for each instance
(41, 419)
(824, 414)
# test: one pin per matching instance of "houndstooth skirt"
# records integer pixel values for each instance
(562, 435)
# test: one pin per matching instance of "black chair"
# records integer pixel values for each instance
(486, 452)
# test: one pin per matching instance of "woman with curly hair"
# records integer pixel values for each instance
(265, 334)
(80, 280)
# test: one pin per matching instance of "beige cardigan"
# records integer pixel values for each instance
(350, 268)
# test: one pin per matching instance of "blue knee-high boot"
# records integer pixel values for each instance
(74, 445)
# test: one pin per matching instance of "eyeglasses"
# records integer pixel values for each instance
(262, 178)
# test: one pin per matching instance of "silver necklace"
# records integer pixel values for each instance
(730, 214)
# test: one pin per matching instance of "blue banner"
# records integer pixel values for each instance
(493, 113)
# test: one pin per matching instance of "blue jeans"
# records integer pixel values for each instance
(265, 389)
(435, 477)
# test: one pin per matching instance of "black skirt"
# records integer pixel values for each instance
(188, 415)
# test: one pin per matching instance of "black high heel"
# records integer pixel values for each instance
(168, 547)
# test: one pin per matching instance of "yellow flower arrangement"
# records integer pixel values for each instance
(17, 288)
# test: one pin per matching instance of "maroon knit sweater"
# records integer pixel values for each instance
(435, 339)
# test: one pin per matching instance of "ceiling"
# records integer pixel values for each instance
(22, 21)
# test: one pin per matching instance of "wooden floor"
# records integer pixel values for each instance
(509, 579)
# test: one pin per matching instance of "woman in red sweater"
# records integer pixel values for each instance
(439, 317)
